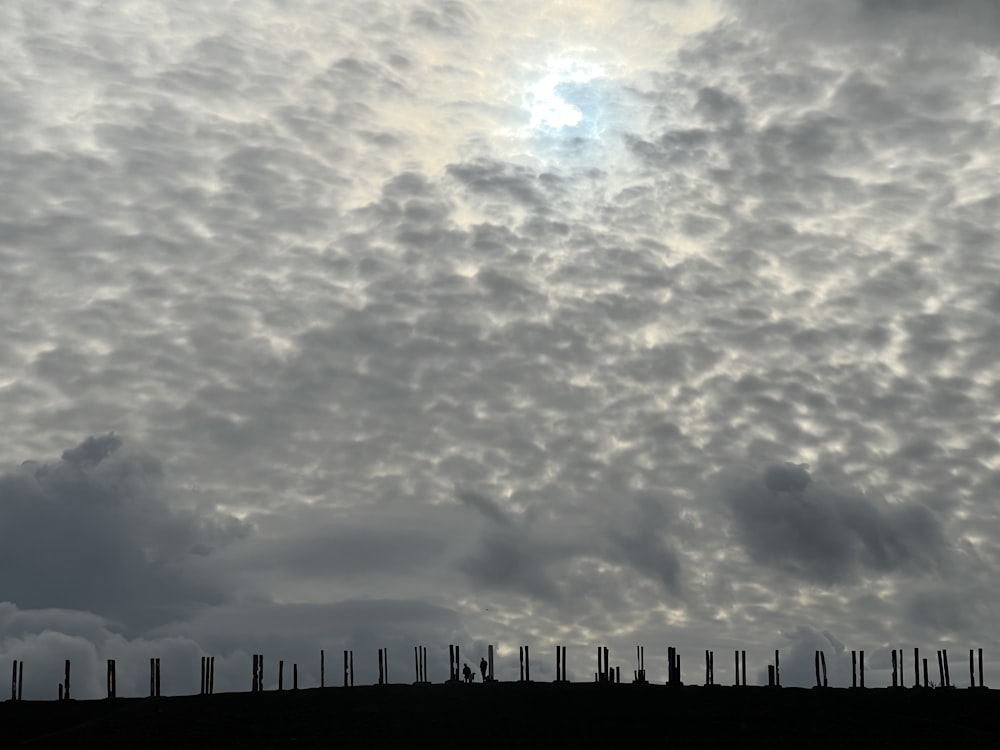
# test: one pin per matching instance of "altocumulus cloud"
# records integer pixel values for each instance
(384, 362)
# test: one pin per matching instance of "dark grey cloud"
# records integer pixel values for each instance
(831, 536)
(101, 535)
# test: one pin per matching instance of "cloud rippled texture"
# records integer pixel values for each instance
(314, 260)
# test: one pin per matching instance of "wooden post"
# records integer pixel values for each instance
(926, 683)
(618, 675)
(521, 657)
(20, 675)
(861, 667)
(671, 653)
(822, 661)
(60, 691)
(66, 693)
(708, 669)
(736, 655)
(13, 682)
(211, 675)
(916, 667)
(295, 676)
(940, 669)
(980, 667)
(854, 669)
(281, 673)
(743, 665)
(816, 667)
(256, 670)
(972, 669)
(947, 673)
(770, 675)
(777, 669)
(345, 668)
(902, 669)
(157, 676)
(322, 668)
(490, 657)
(894, 672)
(112, 680)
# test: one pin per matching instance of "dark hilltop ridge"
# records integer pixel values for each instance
(516, 714)
(467, 713)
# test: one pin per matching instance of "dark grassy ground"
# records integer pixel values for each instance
(511, 715)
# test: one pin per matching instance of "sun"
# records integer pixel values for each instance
(564, 99)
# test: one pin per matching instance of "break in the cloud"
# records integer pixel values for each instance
(443, 321)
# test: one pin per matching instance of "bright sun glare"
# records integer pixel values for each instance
(545, 100)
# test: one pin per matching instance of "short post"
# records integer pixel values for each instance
(381, 680)
(816, 668)
(561, 664)
(708, 667)
(202, 678)
(348, 668)
(492, 677)
(770, 675)
(640, 658)
(926, 683)
(281, 675)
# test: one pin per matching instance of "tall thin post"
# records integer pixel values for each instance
(211, 675)
(322, 668)
(743, 665)
(822, 661)
(816, 668)
(521, 656)
(295, 676)
(13, 681)
(861, 667)
(20, 674)
(980, 667)
(777, 669)
(947, 672)
(902, 669)
(972, 668)
(281, 674)
(345, 668)
(253, 677)
(916, 666)
(926, 683)
(894, 672)
(66, 681)
(490, 658)
(157, 676)
(854, 669)
(736, 657)
(940, 669)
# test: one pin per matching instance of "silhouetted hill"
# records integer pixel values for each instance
(513, 715)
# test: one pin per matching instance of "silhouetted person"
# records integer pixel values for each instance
(467, 673)
(483, 665)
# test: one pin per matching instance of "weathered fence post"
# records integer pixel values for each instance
(489, 657)
(770, 675)
(894, 671)
(322, 668)
(525, 664)
(861, 667)
(112, 691)
(348, 668)
(256, 671)
(211, 675)
(940, 669)
(777, 669)
(281, 673)
(157, 676)
(13, 682)
(822, 661)
(295, 676)
(816, 668)
(980, 668)
(66, 681)
(916, 666)
(902, 670)
(947, 672)
(854, 669)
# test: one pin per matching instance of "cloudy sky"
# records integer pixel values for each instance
(378, 323)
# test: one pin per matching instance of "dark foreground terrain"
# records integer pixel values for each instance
(513, 715)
